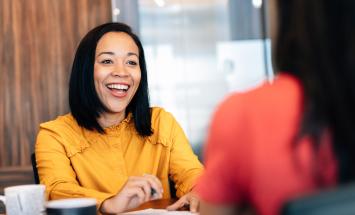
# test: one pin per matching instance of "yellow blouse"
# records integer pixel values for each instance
(75, 162)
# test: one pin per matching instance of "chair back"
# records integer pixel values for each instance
(338, 201)
(172, 189)
(34, 167)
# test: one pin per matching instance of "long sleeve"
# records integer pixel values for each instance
(55, 170)
(184, 168)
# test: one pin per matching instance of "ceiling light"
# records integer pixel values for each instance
(160, 3)
(257, 3)
(116, 11)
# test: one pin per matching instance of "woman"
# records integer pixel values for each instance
(295, 135)
(113, 146)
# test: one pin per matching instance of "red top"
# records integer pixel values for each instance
(250, 155)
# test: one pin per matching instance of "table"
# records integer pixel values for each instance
(158, 204)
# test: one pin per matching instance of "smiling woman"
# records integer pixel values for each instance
(102, 51)
(113, 146)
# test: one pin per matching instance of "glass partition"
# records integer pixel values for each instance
(199, 51)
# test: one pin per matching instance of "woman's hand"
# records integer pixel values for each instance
(137, 190)
(190, 199)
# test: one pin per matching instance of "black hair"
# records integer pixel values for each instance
(316, 44)
(84, 102)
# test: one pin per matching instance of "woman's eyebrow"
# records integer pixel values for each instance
(109, 53)
(112, 53)
(132, 53)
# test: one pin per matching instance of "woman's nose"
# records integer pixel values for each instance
(119, 70)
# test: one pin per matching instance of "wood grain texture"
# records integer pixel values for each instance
(38, 39)
(10, 176)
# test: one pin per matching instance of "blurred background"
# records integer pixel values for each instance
(197, 51)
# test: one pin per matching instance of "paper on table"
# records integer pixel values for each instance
(160, 212)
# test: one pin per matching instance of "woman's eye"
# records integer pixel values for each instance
(132, 63)
(106, 61)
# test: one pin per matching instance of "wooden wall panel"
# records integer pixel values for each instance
(37, 44)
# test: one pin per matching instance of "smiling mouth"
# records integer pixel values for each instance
(118, 87)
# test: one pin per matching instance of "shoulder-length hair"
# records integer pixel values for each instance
(84, 102)
(316, 44)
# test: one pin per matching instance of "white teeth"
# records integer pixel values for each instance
(118, 86)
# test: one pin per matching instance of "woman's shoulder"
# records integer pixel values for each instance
(163, 123)
(64, 126)
(283, 90)
(66, 130)
(162, 118)
(280, 97)
(66, 121)
(159, 113)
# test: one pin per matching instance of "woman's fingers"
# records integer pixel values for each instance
(194, 203)
(178, 204)
(136, 191)
(149, 183)
(188, 199)
(141, 184)
(155, 183)
(129, 197)
(137, 195)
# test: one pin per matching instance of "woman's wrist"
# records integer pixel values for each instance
(107, 207)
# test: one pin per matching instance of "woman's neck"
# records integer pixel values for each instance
(110, 119)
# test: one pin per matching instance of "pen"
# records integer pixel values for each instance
(152, 191)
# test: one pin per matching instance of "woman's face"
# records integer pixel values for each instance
(117, 72)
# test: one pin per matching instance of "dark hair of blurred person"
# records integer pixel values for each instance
(316, 44)
(295, 135)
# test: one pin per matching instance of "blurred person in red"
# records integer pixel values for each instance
(295, 135)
